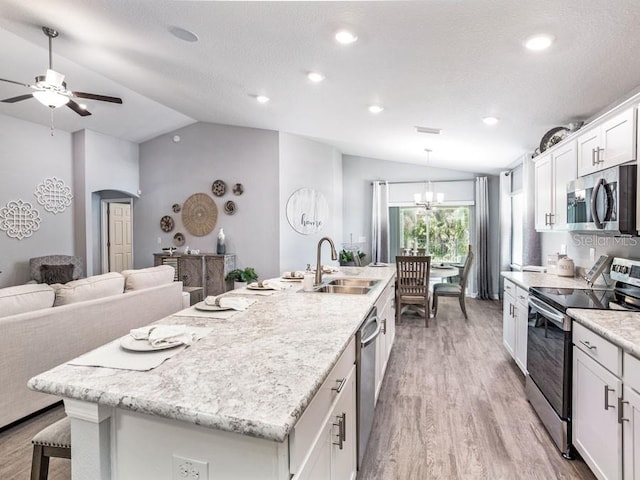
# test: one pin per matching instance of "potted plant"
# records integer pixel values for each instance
(347, 257)
(241, 277)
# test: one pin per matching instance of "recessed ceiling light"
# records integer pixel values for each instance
(538, 43)
(376, 108)
(262, 99)
(346, 37)
(183, 34)
(490, 120)
(315, 77)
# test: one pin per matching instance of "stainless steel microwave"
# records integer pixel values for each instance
(604, 202)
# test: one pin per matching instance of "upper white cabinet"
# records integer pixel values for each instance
(607, 144)
(553, 170)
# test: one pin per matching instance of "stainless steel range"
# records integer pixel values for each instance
(549, 352)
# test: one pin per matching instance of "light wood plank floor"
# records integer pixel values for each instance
(452, 406)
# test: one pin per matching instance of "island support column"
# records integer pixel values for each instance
(90, 440)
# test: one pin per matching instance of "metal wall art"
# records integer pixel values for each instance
(166, 223)
(19, 219)
(230, 207)
(307, 211)
(54, 195)
(218, 188)
(199, 214)
(238, 189)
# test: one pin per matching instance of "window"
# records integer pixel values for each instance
(449, 232)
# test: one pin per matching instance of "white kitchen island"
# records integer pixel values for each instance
(233, 400)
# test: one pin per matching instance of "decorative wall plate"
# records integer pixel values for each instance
(19, 219)
(178, 239)
(307, 211)
(553, 136)
(199, 214)
(238, 189)
(175, 207)
(230, 207)
(166, 223)
(218, 188)
(54, 195)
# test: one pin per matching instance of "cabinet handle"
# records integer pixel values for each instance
(593, 157)
(588, 345)
(598, 159)
(606, 397)
(344, 427)
(522, 297)
(340, 386)
(620, 412)
(551, 215)
(384, 325)
(341, 430)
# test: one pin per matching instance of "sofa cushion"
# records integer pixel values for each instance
(56, 273)
(147, 277)
(25, 298)
(89, 288)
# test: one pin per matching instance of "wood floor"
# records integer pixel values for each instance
(452, 406)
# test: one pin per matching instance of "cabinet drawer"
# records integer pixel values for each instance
(598, 348)
(521, 297)
(306, 429)
(631, 371)
(510, 288)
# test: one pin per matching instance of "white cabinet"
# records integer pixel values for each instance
(515, 323)
(552, 172)
(630, 433)
(611, 142)
(386, 316)
(597, 397)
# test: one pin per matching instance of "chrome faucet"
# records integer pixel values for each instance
(334, 256)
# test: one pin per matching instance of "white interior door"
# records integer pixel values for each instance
(119, 246)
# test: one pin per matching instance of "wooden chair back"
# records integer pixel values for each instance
(466, 270)
(413, 275)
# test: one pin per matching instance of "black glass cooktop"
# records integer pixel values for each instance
(563, 298)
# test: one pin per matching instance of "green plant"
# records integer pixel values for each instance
(347, 256)
(247, 275)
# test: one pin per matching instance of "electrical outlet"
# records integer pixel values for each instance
(592, 254)
(159, 240)
(189, 469)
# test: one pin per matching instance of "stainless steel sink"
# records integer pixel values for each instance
(353, 290)
(354, 282)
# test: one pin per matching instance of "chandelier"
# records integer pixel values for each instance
(428, 203)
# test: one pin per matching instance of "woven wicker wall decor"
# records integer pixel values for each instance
(199, 214)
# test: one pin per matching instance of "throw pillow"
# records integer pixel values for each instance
(56, 273)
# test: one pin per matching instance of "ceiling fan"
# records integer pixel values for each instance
(51, 89)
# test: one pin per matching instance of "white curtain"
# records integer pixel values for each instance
(380, 222)
(483, 269)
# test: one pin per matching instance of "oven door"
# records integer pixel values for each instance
(549, 355)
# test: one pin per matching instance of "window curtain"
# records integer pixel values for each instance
(483, 270)
(380, 222)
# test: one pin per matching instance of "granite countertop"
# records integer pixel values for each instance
(253, 375)
(527, 280)
(620, 327)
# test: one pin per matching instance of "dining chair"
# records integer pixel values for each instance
(412, 284)
(53, 441)
(454, 289)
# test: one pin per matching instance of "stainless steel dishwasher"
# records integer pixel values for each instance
(366, 378)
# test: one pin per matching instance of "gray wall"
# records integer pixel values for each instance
(306, 163)
(28, 155)
(170, 172)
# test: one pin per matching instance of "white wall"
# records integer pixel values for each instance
(28, 155)
(170, 172)
(306, 163)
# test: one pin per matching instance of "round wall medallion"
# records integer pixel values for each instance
(176, 208)
(238, 189)
(230, 207)
(218, 188)
(199, 214)
(166, 223)
(178, 239)
(307, 211)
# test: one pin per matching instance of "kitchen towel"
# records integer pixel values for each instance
(112, 355)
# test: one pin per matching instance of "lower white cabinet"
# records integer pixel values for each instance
(630, 406)
(515, 323)
(386, 316)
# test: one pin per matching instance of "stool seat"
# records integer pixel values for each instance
(52, 441)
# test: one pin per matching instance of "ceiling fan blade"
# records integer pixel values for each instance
(93, 96)
(78, 109)
(18, 98)
(17, 83)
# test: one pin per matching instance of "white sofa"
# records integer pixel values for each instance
(36, 336)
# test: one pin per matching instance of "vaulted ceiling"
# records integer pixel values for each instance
(443, 64)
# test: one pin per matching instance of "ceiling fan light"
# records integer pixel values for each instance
(51, 99)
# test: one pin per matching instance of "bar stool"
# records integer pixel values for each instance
(53, 441)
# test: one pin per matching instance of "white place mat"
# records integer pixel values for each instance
(247, 291)
(112, 355)
(194, 312)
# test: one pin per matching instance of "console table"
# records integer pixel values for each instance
(206, 270)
